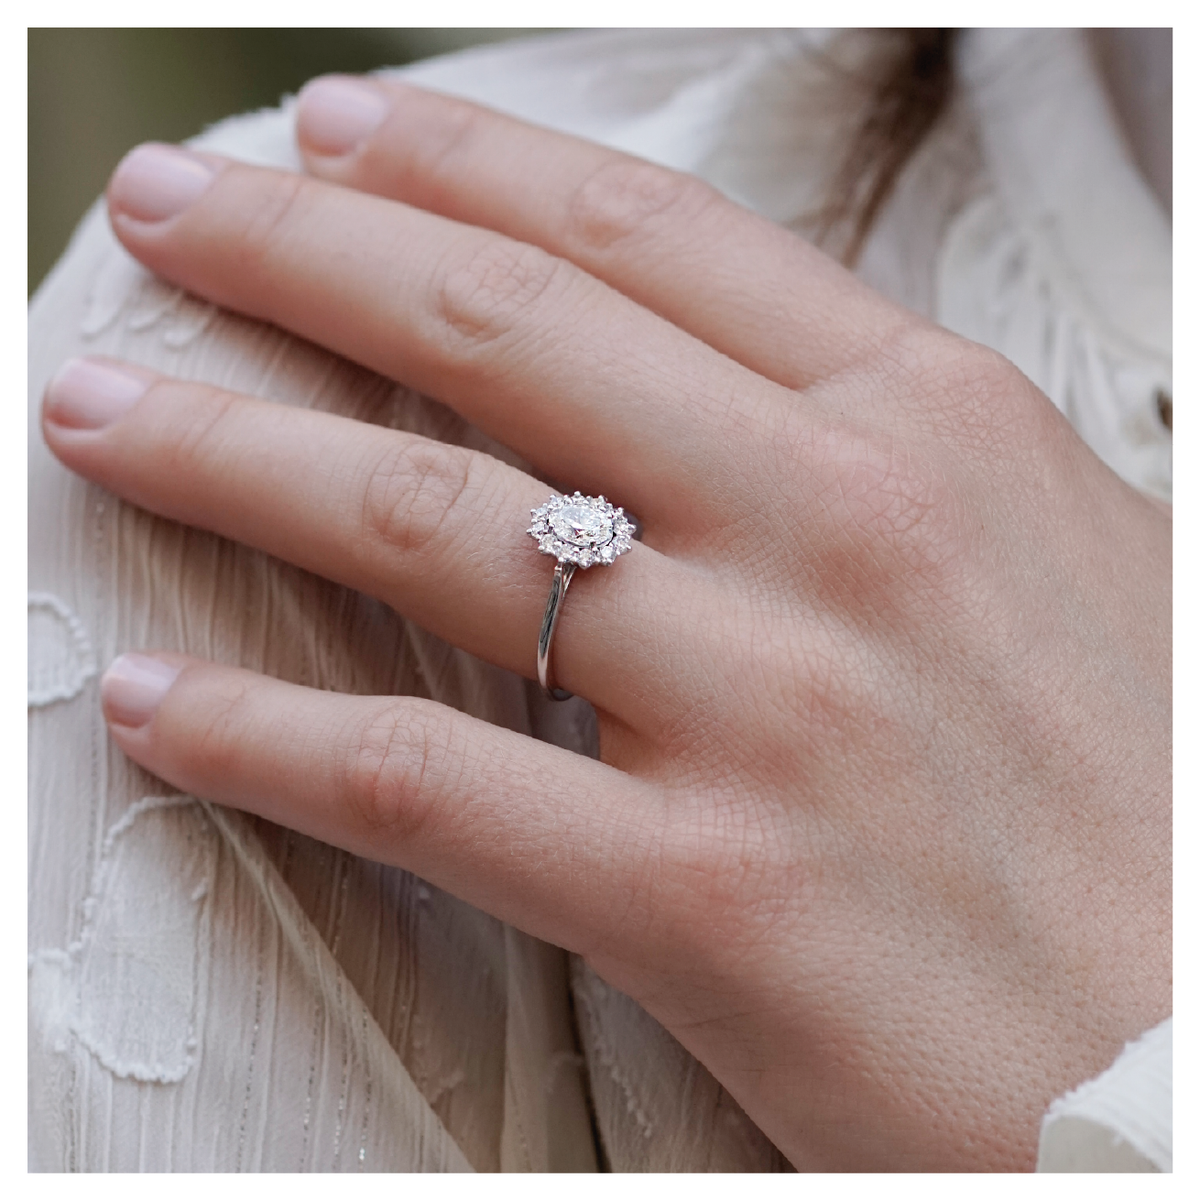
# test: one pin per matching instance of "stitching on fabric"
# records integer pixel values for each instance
(144, 1072)
(117, 277)
(343, 875)
(260, 933)
(71, 960)
(366, 1058)
(183, 317)
(237, 837)
(75, 648)
(121, 285)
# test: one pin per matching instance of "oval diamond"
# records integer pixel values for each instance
(579, 525)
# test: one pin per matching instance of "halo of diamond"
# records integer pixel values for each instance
(584, 530)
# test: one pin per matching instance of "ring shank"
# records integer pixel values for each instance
(563, 574)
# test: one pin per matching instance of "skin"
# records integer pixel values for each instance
(881, 826)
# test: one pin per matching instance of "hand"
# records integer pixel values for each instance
(881, 831)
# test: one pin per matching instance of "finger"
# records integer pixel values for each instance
(591, 388)
(541, 837)
(437, 531)
(735, 280)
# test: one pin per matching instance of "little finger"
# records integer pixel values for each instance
(548, 840)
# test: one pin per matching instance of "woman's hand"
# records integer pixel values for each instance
(881, 831)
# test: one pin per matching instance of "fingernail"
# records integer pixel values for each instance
(334, 115)
(133, 687)
(89, 394)
(155, 182)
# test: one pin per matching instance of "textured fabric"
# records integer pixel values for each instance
(1120, 1121)
(210, 992)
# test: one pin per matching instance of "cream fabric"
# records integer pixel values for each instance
(209, 992)
(1120, 1121)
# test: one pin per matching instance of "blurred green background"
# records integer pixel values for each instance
(94, 93)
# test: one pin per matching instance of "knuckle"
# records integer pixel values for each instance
(269, 212)
(971, 395)
(488, 297)
(889, 495)
(449, 129)
(219, 732)
(413, 494)
(890, 515)
(202, 426)
(625, 197)
(910, 504)
(390, 773)
(709, 867)
(1001, 408)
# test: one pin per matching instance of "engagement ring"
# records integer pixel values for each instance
(579, 531)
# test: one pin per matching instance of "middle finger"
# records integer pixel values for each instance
(583, 382)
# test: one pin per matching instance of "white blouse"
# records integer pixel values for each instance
(1022, 223)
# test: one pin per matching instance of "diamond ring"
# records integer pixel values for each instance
(579, 531)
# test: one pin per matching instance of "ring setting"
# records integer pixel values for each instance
(578, 531)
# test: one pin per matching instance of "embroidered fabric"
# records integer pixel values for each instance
(209, 992)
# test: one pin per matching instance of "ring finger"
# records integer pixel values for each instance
(437, 531)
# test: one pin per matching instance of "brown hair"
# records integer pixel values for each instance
(908, 87)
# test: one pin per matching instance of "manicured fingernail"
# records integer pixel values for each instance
(133, 687)
(87, 393)
(334, 114)
(155, 182)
